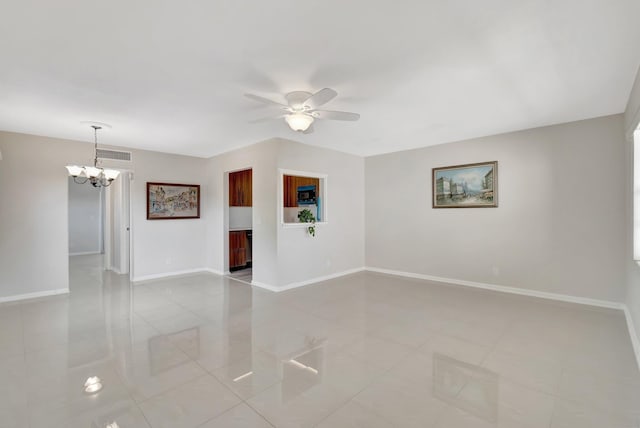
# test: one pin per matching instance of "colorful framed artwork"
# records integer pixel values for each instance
(473, 185)
(167, 201)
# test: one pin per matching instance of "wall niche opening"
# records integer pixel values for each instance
(303, 190)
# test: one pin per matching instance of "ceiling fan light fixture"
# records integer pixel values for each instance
(299, 121)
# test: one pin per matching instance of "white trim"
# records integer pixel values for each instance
(170, 274)
(505, 289)
(635, 339)
(34, 295)
(301, 225)
(84, 253)
(306, 282)
(265, 286)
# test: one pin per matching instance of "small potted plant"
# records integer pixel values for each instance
(306, 216)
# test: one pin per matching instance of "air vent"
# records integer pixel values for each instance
(114, 155)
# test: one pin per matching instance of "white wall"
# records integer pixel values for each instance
(85, 219)
(261, 158)
(632, 122)
(283, 256)
(338, 245)
(559, 227)
(34, 238)
(166, 246)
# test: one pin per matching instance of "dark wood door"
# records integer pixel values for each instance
(240, 188)
(237, 249)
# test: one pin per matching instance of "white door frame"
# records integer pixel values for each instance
(126, 235)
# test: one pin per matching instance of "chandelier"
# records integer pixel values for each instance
(98, 177)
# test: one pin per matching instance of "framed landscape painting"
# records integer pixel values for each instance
(166, 201)
(473, 185)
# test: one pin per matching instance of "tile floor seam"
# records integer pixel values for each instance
(142, 413)
(259, 413)
(491, 349)
(219, 381)
(352, 400)
(377, 377)
(178, 385)
(230, 409)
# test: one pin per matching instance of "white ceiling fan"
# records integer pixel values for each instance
(302, 109)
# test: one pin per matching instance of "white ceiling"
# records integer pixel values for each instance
(170, 75)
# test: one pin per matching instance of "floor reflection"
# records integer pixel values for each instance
(466, 386)
(161, 347)
(303, 369)
(367, 349)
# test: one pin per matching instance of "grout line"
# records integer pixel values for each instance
(375, 378)
(142, 413)
(230, 409)
(259, 414)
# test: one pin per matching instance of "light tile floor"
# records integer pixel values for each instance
(244, 275)
(365, 350)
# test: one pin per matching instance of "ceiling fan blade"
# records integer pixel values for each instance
(335, 115)
(265, 100)
(309, 130)
(321, 97)
(267, 119)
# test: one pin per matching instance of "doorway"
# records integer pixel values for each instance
(86, 205)
(99, 229)
(240, 230)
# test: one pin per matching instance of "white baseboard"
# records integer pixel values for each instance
(633, 333)
(171, 274)
(265, 286)
(84, 253)
(35, 295)
(306, 282)
(505, 289)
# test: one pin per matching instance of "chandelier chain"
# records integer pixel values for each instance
(95, 139)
